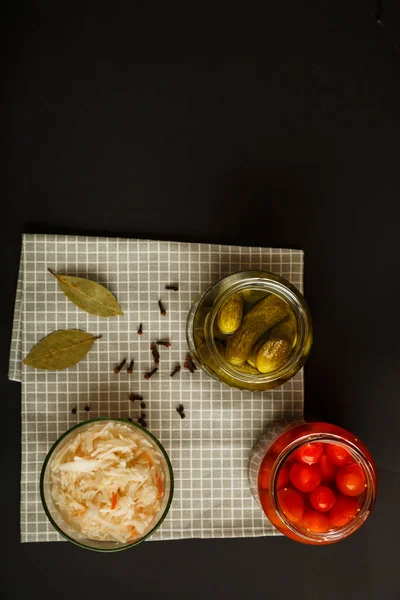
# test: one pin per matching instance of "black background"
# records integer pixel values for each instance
(273, 124)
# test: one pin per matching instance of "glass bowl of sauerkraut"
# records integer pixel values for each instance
(106, 484)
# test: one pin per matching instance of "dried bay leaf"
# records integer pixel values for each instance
(88, 295)
(60, 350)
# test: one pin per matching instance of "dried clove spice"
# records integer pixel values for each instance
(155, 353)
(163, 343)
(188, 365)
(150, 373)
(174, 287)
(140, 330)
(190, 360)
(162, 309)
(133, 397)
(130, 368)
(119, 367)
(175, 370)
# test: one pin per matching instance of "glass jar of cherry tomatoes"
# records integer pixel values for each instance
(316, 482)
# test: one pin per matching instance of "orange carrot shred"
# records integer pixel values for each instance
(114, 501)
(147, 457)
(134, 532)
(159, 486)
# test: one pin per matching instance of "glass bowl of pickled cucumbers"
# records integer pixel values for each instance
(251, 330)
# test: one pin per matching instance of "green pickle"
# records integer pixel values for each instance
(246, 368)
(252, 359)
(217, 335)
(272, 354)
(286, 329)
(260, 339)
(265, 314)
(230, 314)
(253, 296)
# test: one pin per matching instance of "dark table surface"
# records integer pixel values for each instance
(274, 124)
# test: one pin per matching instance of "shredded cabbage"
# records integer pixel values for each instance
(107, 482)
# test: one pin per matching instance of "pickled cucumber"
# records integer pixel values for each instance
(230, 314)
(286, 329)
(254, 351)
(267, 313)
(217, 335)
(273, 354)
(253, 296)
(248, 369)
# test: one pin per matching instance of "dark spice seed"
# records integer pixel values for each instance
(190, 360)
(155, 353)
(143, 405)
(182, 415)
(87, 408)
(150, 373)
(162, 309)
(175, 370)
(188, 365)
(142, 415)
(73, 411)
(142, 422)
(174, 287)
(130, 368)
(133, 397)
(140, 330)
(119, 367)
(164, 343)
(180, 408)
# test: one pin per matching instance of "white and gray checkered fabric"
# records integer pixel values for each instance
(209, 449)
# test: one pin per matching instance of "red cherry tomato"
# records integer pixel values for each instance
(344, 511)
(283, 477)
(291, 503)
(305, 477)
(322, 498)
(265, 474)
(316, 521)
(337, 455)
(290, 459)
(350, 480)
(328, 469)
(309, 454)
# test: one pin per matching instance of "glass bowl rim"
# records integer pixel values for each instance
(50, 454)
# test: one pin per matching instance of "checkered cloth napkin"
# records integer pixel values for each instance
(209, 449)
